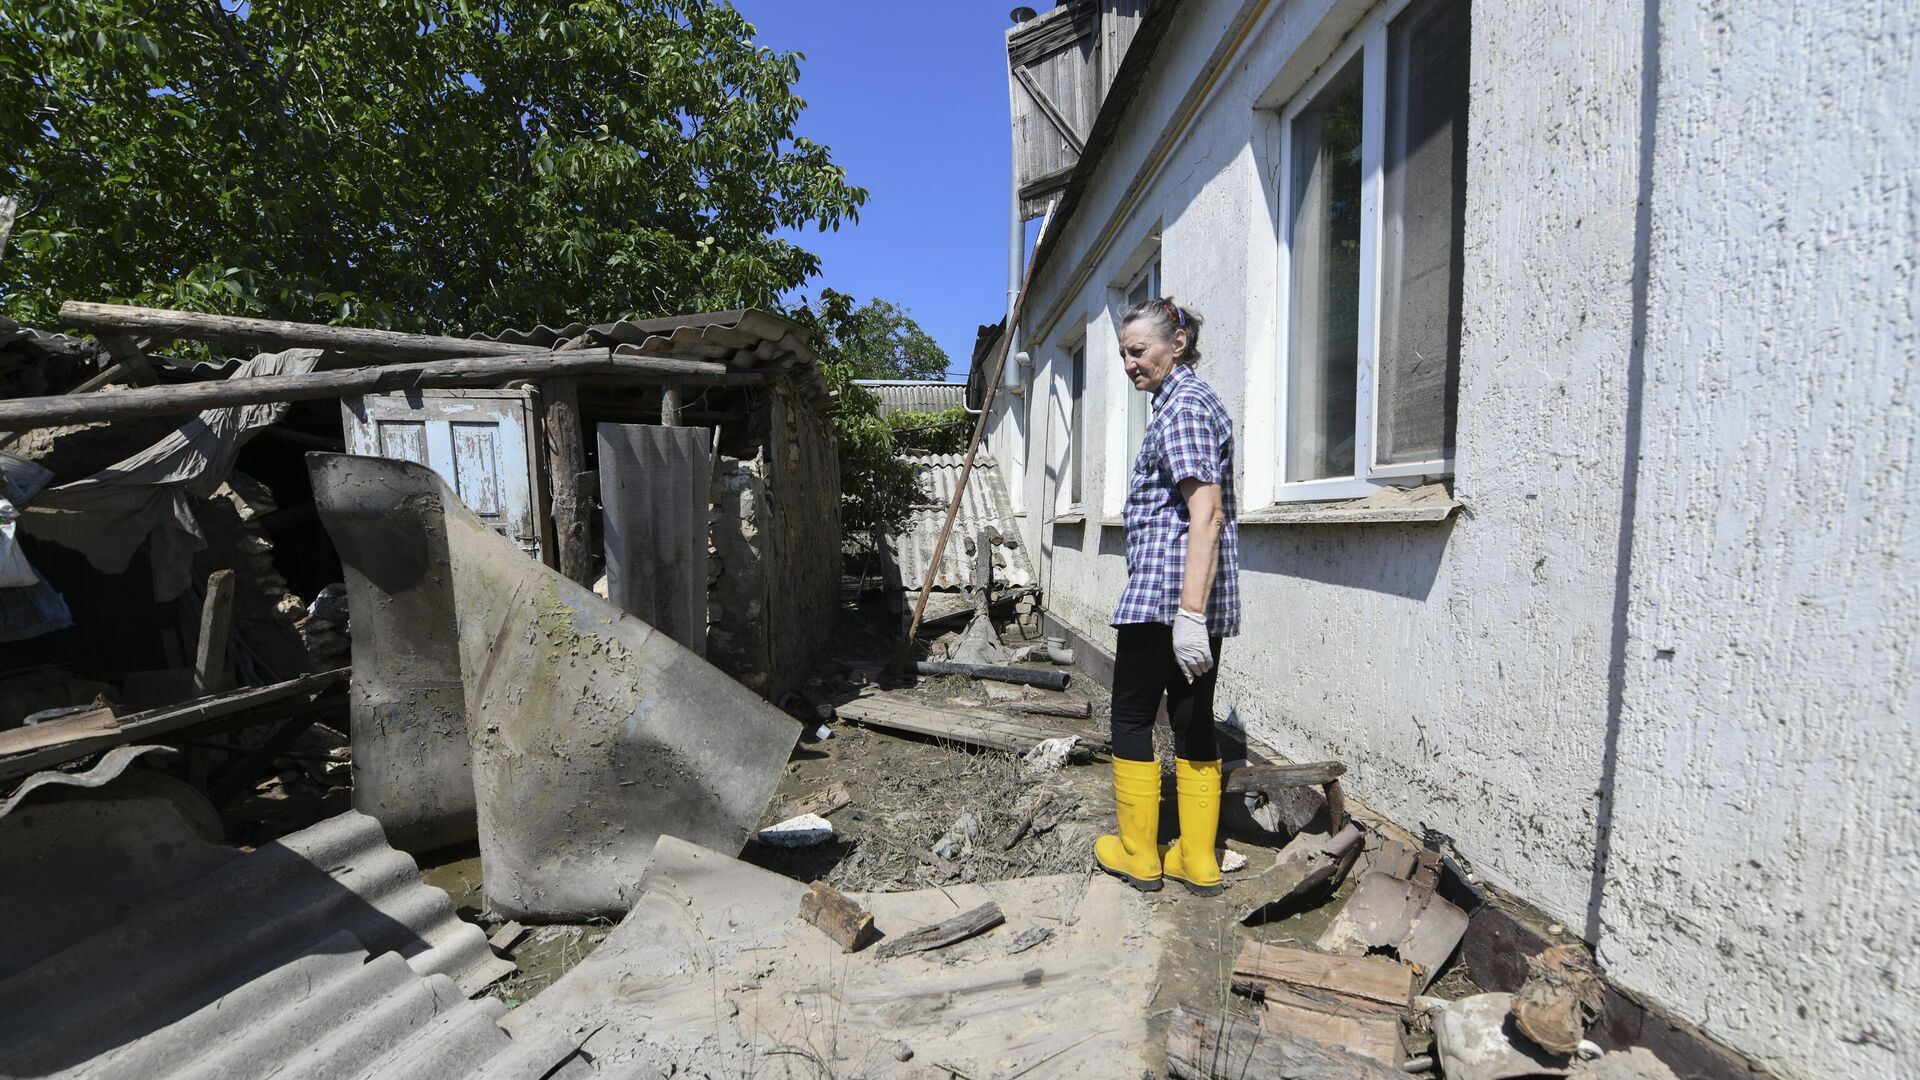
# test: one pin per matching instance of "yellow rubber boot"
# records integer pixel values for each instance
(1134, 855)
(1190, 859)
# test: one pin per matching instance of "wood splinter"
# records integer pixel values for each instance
(939, 935)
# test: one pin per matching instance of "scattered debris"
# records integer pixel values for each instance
(1638, 1063)
(1231, 861)
(1402, 916)
(1470, 1037)
(1027, 939)
(507, 935)
(822, 803)
(803, 831)
(957, 841)
(846, 922)
(1368, 978)
(1049, 755)
(1562, 998)
(1206, 1046)
(1073, 710)
(942, 934)
(1309, 862)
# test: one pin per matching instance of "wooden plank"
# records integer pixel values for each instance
(829, 911)
(1075, 710)
(1338, 1023)
(66, 729)
(103, 319)
(566, 460)
(1370, 978)
(1272, 777)
(942, 934)
(510, 932)
(952, 725)
(216, 622)
(1205, 1046)
(26, 414)
(283, 698)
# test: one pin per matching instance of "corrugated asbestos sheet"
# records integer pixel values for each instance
(898, 396)
(909, 552)
(135, 947)
(747, 339)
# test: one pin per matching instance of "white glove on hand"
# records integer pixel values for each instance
(1192, 649)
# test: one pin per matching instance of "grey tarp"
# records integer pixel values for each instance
(108, 515)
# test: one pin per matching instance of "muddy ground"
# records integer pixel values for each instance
(905, 827)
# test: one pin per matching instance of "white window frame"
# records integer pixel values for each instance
(1369, 41)
(1074, 466)
(1121, 450)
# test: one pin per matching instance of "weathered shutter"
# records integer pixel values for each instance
(479, 441)
(1055, 65)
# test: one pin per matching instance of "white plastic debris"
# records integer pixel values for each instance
(803, 831)
(1049, 755)
(823, 732)
(1232, 861)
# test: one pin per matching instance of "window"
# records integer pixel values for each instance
(1139, 291)
(1076, 430)
(1375, 171)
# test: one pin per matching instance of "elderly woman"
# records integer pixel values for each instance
(1182, 597)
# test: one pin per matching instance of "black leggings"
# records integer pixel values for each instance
(1143, 669)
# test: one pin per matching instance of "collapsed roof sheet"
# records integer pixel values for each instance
(907, 554)
(746, 339)
(136, 947)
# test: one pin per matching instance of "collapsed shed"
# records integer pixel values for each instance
(202, 468)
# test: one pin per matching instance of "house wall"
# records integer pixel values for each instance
(1497, 680)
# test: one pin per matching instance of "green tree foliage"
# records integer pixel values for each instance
(876, 340)
(439, 165)
(943, 432)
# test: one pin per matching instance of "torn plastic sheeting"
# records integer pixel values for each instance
(592, 733)
(412, 768)
(145, 498)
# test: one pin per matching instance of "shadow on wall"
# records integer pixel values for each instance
(1400, 561)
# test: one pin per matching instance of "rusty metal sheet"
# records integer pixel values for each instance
(592, 732)
(412, 769)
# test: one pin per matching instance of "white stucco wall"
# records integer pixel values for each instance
(1463, 670)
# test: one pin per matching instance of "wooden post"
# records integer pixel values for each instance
(566, 460)
(670, 405)
(216, 622)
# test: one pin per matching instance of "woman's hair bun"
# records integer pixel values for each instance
(1167, 317)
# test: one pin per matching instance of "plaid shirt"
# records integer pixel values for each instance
(1189, 437)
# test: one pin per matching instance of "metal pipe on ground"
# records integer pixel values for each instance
(1047, 680)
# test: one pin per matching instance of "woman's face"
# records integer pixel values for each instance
(1147, 356)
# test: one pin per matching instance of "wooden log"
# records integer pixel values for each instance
(104, 319)
(1369, 978)
(1335, 1021)
(1047, 680)
(670, 405)
(942, 934)
(26, 414)
(829, 911)
(566, 460)
(216, 622)
(1205, 1046)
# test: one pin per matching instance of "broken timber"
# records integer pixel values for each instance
(1308, 862)
(1203, 1046)
(27, 414)
(1072, 710)
(828, 910)
(118, 319)
(823, 802)
(952, 725)
(941, 934)
(240, 707)
(1368, 978)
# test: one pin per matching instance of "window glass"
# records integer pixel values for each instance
(1325, 302)
(1076, 435)
(1422, 249)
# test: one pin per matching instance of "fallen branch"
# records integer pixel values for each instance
(940, 935)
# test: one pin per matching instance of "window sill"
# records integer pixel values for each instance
(1072, 518)
(1388, 506)
(1113, 522)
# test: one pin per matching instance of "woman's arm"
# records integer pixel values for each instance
(1205, 518)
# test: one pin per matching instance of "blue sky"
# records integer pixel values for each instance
(912, 100)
